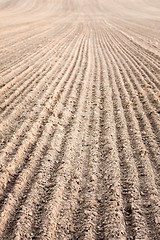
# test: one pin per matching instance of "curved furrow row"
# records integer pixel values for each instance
(145, 172)
(9, 77)
(51, 124)
(139, 55)
(23, 33)
(22, 55)
(146, 64)
(25, 81)
(66, 204)
(138, 48)
(69, 200)
(79, 120)
(144, 125)
(145, 76)
(137, 103)
(51, 61)
(51, 209)
(27, 55)
(22, 65)
(131, 92)
(131, 211)
(135, 224)
(36, 129)
(37, 38)
(20, 41)
(45, 97)
(146, 53)
(54, 98)
(134, 73)
(55, 156)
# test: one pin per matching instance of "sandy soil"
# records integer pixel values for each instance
(79, 119)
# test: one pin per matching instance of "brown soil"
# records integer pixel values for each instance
(79, 119)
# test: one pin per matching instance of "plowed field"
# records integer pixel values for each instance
(79, 119)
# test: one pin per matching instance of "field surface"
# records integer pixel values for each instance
(80, 119)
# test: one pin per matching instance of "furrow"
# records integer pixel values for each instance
(79, 120)
(65, 225)
(145, 53)
(145, 126)
(34, 56)
(142, 87)
(135, 224)
(21, 53)
(62, 175)
(137, 47)
(36, 130)
(110, 223)
(29, 171)
(84, 212)
(17, 75)
(146, 64)
(47, 95)
(36, 78)
(145, 172)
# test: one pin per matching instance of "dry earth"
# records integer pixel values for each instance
(79, 119)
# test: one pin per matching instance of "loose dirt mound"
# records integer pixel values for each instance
(79, 119)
